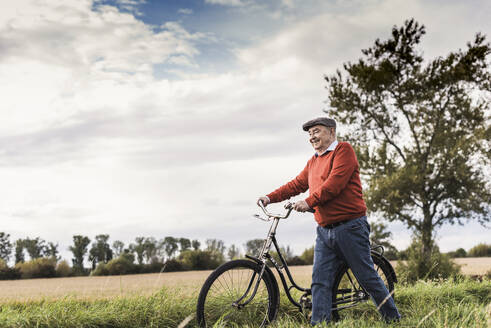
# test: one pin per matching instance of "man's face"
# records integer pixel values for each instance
(321, 137)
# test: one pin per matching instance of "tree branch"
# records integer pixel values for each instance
(409, 122)
(408, 219)
(443, 218)
(434, 204)
(414, 201)
(381, 127)
(435, 130)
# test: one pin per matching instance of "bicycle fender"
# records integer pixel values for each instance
(386, 263)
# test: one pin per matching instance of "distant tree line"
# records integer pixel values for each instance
(35, 258)
(381, 236)
(147, 255)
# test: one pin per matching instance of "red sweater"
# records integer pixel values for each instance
(333, 180)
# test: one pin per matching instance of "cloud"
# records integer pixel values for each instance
(130, 2)
(225, 2)
(288, 3)
(334, 34)
(148, 119)
(129, 5)
(82, 106)
(185, 11)
(51, 54)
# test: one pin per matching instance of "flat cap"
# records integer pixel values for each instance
(327, 122)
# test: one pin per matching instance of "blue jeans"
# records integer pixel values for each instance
(348, 242)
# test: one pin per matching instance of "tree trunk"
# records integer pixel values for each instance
(426, 237)
(426, 241)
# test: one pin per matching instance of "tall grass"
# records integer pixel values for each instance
(463, 303)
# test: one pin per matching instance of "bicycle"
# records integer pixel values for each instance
(245, 291)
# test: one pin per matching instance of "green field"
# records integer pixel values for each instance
(464, 303)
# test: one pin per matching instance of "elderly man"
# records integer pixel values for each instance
(332, 177)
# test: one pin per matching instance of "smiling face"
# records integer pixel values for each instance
(321, 137)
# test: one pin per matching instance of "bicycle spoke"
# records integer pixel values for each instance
(229, 288)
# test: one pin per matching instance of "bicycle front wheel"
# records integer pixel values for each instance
(225, 297)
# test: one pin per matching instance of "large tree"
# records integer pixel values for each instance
(151, 248)
(79, 249)
(195, 244)
(139, 248)
(254, 246)
(233, 252)
(216, 247)
(170, 245)
(5, 246)
(100, 250)
(420, 128)
(184, 244)
(118, 248)
(19, 251)
(36, 247)
(51, 251)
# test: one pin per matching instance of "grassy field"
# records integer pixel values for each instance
(167, 299)
(474, 265)
(147, 284)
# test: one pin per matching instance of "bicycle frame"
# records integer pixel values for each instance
(353, 295)
(264, 257)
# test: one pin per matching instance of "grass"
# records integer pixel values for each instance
(464, 303)
(102, 287)
(108, 287)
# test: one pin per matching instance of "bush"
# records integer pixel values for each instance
(154, 266)
(100, 270)
(128, 256)
(120, 265)
(308, 256)
(198, 260)
(123, 265)
(458, 253)
(403, 255)
(78, 272)
(37, 268)
(63, 269)
(3, 264)
(391, 254)
(117, 266)
(173, 265)
(417, 267)
(296, 260)
(7, 273)
(480, 250)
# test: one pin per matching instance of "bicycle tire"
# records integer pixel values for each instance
(227, 284)
(342, 283)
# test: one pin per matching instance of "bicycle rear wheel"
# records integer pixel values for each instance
(347, 292)
(229, 287)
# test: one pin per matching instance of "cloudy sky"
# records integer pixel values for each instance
(170, 117)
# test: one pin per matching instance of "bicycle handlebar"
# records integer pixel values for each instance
(288, 206)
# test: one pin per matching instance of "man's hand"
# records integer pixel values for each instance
(301, 206)
(263, 199)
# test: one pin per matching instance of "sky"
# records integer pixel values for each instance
(170, 118)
